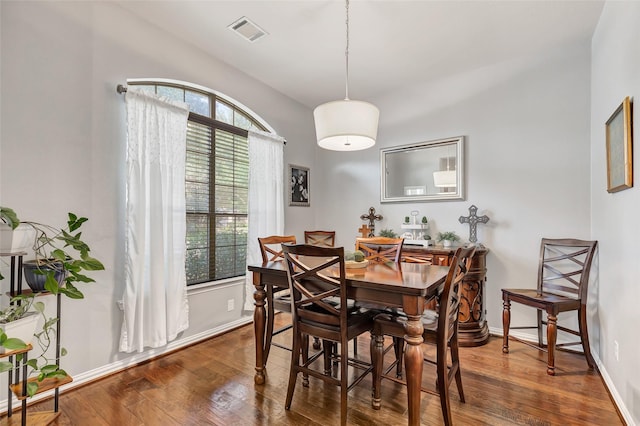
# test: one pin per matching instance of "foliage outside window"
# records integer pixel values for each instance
(217, 178)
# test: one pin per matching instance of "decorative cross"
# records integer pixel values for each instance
(364, 231)
(473, 221)
(371, 217)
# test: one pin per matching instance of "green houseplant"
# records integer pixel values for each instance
(61, 261)
(388, 233)
(448, 238)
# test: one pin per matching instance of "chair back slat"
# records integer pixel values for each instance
(564, 266)
(270, 247)
(314, 292)
(320, 238)
(380, 249)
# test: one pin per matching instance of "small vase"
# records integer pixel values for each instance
(36, 277)
(446, 243)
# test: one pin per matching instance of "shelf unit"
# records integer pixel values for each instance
(413, 228)
(15, 385)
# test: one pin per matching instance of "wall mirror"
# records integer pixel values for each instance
(424, 171)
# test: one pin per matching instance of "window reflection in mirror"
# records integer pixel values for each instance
(425, 171)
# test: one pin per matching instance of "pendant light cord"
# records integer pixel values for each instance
(346, 54)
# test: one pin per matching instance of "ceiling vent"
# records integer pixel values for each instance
(247, 29)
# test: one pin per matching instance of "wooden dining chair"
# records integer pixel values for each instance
(277, 298)
(380, 249)
(320, 238)
(315, 313)
(563, 281)
(440, 329)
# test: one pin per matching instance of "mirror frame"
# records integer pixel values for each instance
(458, 194)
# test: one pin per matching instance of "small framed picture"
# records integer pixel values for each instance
(620, 148)
(299, 186)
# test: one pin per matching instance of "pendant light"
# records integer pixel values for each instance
(346, 125)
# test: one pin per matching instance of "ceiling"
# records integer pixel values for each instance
(393, 43)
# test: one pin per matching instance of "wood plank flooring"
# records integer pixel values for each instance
(211, 383)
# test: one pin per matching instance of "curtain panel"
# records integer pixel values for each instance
(155, 297)
(266, 197)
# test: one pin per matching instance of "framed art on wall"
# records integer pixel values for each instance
(299, 186)
(620, 148)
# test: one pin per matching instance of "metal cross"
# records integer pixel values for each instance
(473, 221)
(371, 217)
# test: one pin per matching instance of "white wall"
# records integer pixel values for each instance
(62, 147)
(526, 125)
(616, 74)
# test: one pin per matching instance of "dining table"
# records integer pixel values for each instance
(394, 285)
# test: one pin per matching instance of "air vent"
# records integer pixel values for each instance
(247, 29)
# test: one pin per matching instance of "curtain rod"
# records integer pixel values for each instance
(122, 89)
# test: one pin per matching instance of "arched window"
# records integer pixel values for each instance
(217, 176)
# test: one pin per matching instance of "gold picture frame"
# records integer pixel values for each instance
(620, 148)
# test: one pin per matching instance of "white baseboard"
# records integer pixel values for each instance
(118, 366)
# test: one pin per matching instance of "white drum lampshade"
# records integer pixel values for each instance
(444, 179)
(346, 125)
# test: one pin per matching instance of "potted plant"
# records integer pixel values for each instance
(388, 233)
(406, 220)
(14, 236)
(448, 238)
(17, 325)
(61, 261)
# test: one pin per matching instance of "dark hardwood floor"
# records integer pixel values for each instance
(211, 383)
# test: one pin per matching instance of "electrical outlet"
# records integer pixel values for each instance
(230, 305)
(616, 350)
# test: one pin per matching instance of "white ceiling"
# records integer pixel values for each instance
(393, 43)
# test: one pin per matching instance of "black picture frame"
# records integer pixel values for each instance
(299, 194)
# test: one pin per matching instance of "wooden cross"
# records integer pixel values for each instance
(364, 231)
(473, 221)
(371, 217)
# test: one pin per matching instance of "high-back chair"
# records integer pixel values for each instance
(278, 298)
(380, 249)
(320, 238)
(563, 281)
(315, 313)
(440, 329)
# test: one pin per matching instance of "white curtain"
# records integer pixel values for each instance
(266, 198)
(155, 297)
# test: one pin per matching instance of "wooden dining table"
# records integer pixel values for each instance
(401, 285)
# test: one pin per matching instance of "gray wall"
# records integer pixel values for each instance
(615, 70)
(62, 149)
(534, 163)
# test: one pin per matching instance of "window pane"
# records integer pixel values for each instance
(241, 120)
(197, 262)
(173, 93)
(224, 113)
(198, 103)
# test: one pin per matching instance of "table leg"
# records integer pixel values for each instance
(413, 357)
(259, 326)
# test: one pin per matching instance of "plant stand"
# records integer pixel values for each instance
(17, 387)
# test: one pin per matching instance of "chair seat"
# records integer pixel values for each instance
(282, 302)
(544, 300)
(393, 323)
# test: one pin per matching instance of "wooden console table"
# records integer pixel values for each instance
(473, 329)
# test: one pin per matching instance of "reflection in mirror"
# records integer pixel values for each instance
(425, 171)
